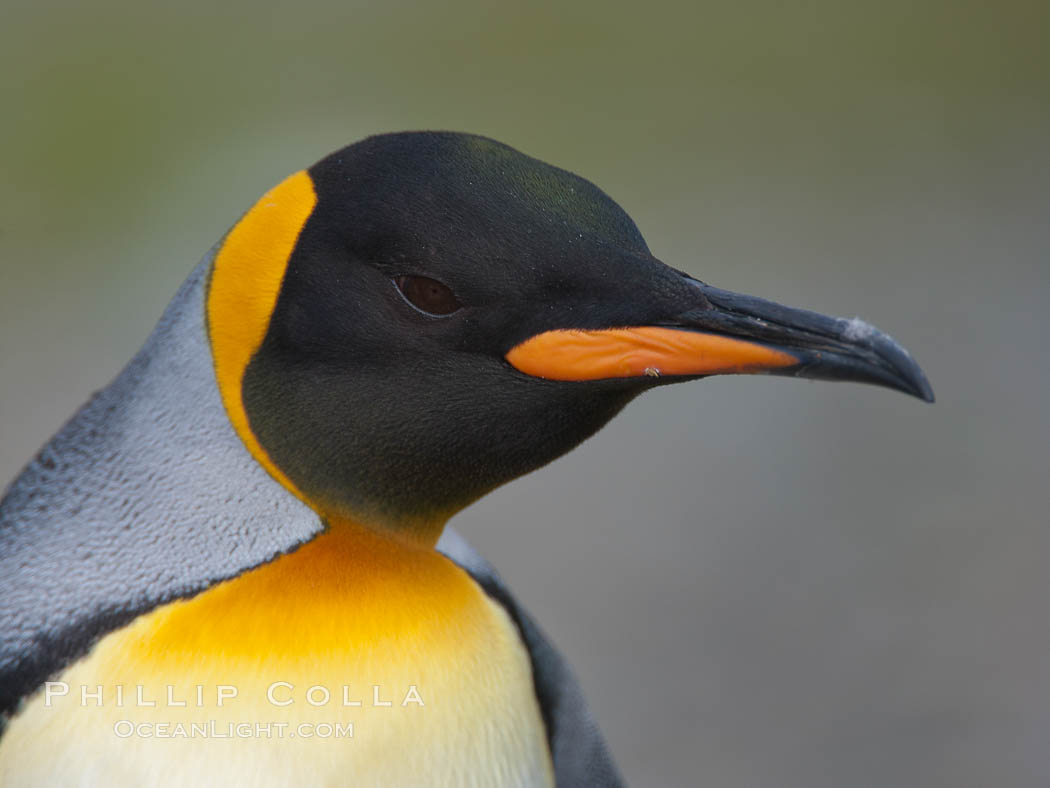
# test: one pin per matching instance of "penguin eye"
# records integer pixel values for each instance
(427, 295)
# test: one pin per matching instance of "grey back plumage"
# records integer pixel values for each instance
(145, 496)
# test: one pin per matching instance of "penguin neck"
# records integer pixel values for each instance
(416, 534)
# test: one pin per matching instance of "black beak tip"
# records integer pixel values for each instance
(827, 348)
(908, 374)
(920, 386)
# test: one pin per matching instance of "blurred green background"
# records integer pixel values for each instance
(759, 581)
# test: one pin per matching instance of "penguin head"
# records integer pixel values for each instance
(421, 317)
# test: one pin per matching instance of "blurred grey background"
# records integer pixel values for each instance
(759, 581)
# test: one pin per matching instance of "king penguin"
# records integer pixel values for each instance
(231, 567)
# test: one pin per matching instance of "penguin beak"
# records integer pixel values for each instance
(727, 333)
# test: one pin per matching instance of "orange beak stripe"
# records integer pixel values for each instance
(646, 350)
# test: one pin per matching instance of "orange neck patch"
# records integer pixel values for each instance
(245, 281)
(347, 590)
